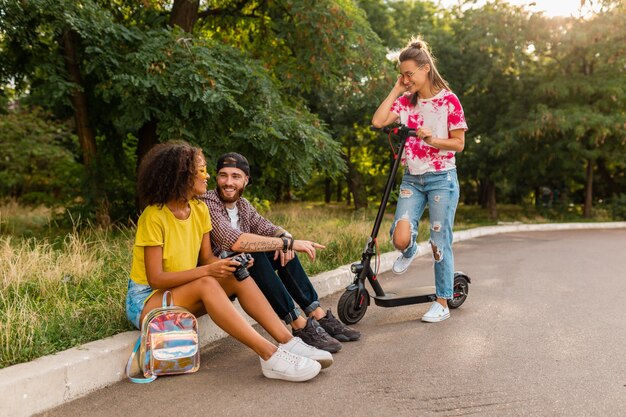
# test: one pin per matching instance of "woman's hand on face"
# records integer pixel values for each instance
(399, 88)
(222, 268)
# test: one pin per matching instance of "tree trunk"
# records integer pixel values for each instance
(287, 195)
(606, 178)
(339, 191)
(355, 184)
(489, 199)
(588, 190)
(184, 14)
(357, 187)
(86, 137)
(148, 137)
(481, 194)
(328, 190)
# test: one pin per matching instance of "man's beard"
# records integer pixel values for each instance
(238, 194)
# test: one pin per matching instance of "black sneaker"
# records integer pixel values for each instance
(314, 335)
(337, 329)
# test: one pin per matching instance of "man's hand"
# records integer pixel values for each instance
(308, 247)
(298, 246)
(285, 257)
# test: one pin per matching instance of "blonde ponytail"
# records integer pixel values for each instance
(417, 50)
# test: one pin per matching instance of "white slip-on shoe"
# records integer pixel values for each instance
(401, 264)
(436, 313)
(297, 346)
(289, 366)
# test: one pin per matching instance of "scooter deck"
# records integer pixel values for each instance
(406, 296)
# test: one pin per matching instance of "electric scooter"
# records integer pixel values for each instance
(355, 300)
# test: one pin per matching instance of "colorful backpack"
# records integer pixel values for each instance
(168, 343)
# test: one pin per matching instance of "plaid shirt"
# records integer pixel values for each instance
(223, 235)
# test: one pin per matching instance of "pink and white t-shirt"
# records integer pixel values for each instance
(440, 113)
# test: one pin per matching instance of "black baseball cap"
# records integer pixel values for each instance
(233, 160)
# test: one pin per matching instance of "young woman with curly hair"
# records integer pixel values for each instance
(172, 252)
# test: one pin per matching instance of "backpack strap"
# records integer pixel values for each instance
(130, 363)
(171, 303)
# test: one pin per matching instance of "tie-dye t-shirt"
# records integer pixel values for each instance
(441, 114)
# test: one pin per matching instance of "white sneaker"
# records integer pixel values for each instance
(298, 347)
(289, 367)
(401, 264)
(436, 313)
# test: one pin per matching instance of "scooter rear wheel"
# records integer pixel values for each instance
(349, 310)
(460, 290)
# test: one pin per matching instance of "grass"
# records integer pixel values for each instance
(343, 231)
(57, 295)
(61, 289)
(21, 221)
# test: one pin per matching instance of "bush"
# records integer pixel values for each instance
(36, 163)
(618, 207)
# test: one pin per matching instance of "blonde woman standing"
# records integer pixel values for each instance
(422, 100)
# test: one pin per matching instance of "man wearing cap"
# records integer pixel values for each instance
(238, 227)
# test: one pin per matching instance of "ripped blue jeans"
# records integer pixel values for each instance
(440, 190)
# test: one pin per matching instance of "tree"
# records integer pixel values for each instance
(581, 98)
(37, 166)
(491, 71)
(139, 77)
(323, 54)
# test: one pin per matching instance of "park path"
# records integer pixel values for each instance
(542, 333)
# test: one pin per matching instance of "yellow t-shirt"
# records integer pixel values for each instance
(180, 239)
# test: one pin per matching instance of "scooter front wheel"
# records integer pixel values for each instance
(350, 309)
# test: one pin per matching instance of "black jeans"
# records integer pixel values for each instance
(282, 285)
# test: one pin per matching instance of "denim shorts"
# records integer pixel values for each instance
(136, 298)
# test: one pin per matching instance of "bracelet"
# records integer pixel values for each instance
(291, 243)
(285, 244)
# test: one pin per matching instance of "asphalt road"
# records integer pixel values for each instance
(542, 333)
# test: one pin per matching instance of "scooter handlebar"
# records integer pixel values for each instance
(400, 130)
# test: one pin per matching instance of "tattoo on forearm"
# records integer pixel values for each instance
(258, 246)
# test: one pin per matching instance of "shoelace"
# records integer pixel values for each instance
(289, 357)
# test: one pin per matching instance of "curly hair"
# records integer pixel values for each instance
(167, 172)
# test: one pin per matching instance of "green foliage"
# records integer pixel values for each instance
(618, 207)
(292, 85)
(580, 101)
(396, 22)
(137, 70)
(37, 162)
(323, 53)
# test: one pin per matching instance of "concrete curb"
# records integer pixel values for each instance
(47, 382)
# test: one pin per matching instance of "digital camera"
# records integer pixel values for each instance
(241, 270)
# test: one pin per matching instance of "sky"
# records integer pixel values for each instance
(549, 7)
(552, 7)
